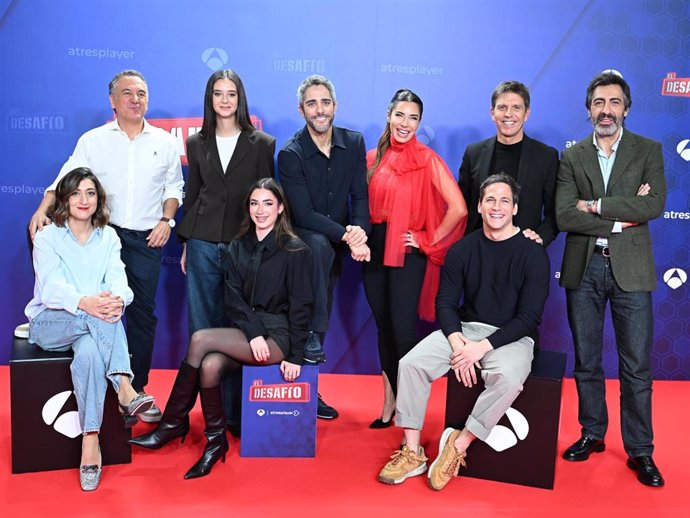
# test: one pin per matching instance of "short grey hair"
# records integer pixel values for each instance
(116, 78)
(315, 80)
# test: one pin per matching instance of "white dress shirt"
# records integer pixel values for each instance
(138, 175)
(66, 270)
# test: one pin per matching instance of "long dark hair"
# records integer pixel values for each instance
(208, 128)
(59, 212)
(285, 235)
(402, 95)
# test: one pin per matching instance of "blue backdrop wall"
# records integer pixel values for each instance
(57, 57)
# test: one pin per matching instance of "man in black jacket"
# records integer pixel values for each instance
(532, 164)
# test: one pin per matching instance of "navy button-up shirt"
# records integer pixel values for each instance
(326, 193)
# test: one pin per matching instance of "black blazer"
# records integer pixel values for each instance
(537, 173)
(213, 207)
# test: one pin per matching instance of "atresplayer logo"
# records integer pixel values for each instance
(183, 127)
(501, 437)
(66, 424)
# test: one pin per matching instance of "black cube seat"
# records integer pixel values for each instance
(45, 426)
(527, 438)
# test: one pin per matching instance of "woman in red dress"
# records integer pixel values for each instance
(417, 213)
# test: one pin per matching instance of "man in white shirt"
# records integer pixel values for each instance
(139, 167)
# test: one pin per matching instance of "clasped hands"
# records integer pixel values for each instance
(104, 305)
(466, 356)
(356, 239)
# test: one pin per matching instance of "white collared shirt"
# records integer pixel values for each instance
(138, 175)
(66, 270)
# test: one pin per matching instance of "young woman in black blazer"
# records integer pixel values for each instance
(226, 157)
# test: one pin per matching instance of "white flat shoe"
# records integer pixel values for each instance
(22, 331)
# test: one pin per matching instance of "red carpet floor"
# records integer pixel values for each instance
(341, 480)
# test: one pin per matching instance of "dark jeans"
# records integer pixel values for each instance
(327, 266)
(393, 294)
(206, 267)
(143, 266)
(205, 284)
(633, 321)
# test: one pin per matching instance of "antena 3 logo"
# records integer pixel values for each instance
(66, 424)
(214, 58)
(675, 86)
(501, 437)
(282, 393)
(675, 278)
(183, 127)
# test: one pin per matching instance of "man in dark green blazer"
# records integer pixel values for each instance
(610, 185)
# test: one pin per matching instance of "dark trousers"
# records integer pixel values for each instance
(327, 266)
(632, 317)
(393, 294)
(142, 266)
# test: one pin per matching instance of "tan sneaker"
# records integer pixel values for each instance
(404, 464)
(448, 462)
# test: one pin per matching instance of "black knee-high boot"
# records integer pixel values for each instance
(175, 420)
(217, 442)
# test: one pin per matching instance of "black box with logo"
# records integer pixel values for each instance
(532, 460)
(37, 376)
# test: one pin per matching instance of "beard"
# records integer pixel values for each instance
(611, 129)
(322, 127)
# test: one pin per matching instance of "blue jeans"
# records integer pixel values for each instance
(633, 322)
(100, 354)
(206, 267)
(143, 266)
(205, 284)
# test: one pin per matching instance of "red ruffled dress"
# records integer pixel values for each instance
(405, 193)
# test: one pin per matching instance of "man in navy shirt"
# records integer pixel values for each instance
(493, 288)
(323, 171)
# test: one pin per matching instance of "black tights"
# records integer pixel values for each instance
(218, 350)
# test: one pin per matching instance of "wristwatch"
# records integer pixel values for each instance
(591, 205)
(171, 221)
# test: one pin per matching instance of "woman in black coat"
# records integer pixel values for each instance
(226, 157)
